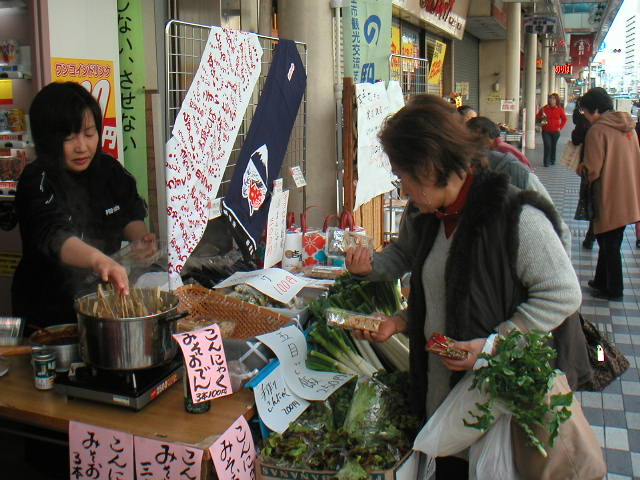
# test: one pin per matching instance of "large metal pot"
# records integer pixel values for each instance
(128, 343)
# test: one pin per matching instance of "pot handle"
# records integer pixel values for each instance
(15, 350)
(174, 317)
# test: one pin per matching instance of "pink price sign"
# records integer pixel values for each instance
(171, 461)
(206, 363)
(234, 453)
(96, 452)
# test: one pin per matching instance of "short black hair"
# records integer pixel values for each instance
(463, 109)
(596, 99)
(484, 126)
(56, 112)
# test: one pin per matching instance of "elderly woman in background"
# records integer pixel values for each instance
(611, 154)
(484, 256)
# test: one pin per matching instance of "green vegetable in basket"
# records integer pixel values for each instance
(519, 376)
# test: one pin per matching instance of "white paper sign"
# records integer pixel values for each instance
(277, 405)
(276, 229)
(203, 135)
(395, 96)
(290, 347)
(298, 177)
(215, 210)
(277, 186)
(374, 169)
(273, 282)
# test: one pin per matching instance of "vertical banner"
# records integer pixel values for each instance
(97, 77)
(435, 72)
(367, 40)
(132, 99)
(580, 50)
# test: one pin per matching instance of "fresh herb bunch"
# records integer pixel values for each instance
(519, 376)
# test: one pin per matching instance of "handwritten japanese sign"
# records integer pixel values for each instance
(290, 347)
(276, 228)
(97, 452)
(171, 461)
(277, 405)
(234, 453)
(374, 169)
(132, 95)
(204, 133)
(273, 282)
(97, 77)
(206, 363)
(298, 176)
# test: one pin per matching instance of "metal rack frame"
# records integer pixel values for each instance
(184, 45)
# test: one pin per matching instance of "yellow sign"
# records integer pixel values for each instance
(98, 78)
(395, 48)
(6, 92)
(435, 72)
(8, 263)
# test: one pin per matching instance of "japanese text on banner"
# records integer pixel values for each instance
(290, 347)
(206, 363)
(234, 453)
(97, 452)
(170, 461)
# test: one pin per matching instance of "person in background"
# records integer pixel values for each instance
(464, 227)
(553, 119)
(638, 223)
(581, 125)
(467, 112)
(611, 154)
(75, 206)
(488, 129)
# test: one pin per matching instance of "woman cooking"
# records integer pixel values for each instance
(484, 256)
(75, 206)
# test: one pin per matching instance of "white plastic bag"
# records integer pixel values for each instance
(492, 455)
(445, 433)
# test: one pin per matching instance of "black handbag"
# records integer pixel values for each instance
(585, 209)
(607, 361)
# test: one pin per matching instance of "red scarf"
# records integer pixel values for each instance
(451, 214)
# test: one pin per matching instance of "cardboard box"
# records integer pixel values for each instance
(413, 466)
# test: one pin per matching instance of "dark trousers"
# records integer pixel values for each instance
(609, 268)
(549, 140)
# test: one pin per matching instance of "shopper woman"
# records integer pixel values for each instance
(611, 154)
(553, 119)
(484, 256)
(75, 206)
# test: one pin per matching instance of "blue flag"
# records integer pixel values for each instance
(247, 201)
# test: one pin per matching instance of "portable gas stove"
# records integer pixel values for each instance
(131, 388)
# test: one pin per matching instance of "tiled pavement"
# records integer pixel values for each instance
(615, 413)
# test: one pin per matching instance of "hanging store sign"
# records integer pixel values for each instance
(97, 77)
(448, 16)
(581, 50)
(563, 69)
(367, 34)
(435, 72)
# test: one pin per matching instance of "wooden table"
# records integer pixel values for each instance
(163, 419)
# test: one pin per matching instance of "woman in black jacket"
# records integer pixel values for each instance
(75, 206)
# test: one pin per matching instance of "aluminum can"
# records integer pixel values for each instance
(44, 369)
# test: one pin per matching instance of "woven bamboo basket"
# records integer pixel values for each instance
(242, 320)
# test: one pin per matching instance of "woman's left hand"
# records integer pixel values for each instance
(474, 347)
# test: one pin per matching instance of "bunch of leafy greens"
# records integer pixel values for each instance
(519, 376)
(342, 435)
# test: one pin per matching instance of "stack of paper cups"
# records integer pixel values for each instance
(292, 256)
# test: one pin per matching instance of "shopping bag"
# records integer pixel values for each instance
(576, 454)
(492, 455)
(313, 241)
(292, 255)
(445, 433)
(570, 157)
(585, 210)
(607, 361)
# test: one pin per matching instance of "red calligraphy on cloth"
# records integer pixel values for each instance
(204, 133)
(581, 50)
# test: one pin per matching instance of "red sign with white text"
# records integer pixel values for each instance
(580, 50)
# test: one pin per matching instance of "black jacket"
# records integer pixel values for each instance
(482, 289)
(94, 205)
